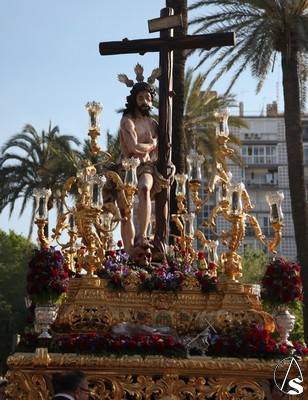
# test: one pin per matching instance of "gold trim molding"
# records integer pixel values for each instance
(92, 306)
(153, 377)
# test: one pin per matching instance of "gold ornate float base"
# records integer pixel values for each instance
(158, 378)
(91, 306)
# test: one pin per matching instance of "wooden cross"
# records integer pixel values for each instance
(165, 45)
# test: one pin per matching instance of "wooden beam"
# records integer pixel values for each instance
(143, 46)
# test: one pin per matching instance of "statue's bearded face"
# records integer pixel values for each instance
(144, 102)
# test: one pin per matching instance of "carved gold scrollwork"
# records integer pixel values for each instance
(27, 386)
(226, 389)
(90, 317)
(230, 319)
(159, 377)
(171, 386)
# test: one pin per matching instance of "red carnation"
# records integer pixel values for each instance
(212, 265)
(201, 255)
(199, 274)
(113, 253)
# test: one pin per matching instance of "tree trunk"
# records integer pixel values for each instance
(295, 152)
(178, 136)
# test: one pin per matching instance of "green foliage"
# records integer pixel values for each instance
(254, 265)
(15, 251)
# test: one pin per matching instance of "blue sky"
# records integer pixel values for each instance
(51, 67)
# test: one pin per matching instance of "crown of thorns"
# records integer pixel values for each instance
(139, 76)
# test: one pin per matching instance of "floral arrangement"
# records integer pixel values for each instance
(168, 275)
(282, 283)
(116, 268)
(165, 277)
(107, 343)
(207, 275)
(251, 342)
(47, 279)
(239, 342)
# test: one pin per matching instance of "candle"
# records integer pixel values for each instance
(95, 193)
(93, 119)
(235, 202)
(41, 208)
(71, 222)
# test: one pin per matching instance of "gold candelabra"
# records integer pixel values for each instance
(234, 206)
(90, 222)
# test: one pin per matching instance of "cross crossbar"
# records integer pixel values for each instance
(143, 46)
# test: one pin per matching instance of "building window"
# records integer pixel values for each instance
(259, 154)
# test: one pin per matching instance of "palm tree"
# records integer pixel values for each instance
(39, 160)
(199, 122)
(263, 29)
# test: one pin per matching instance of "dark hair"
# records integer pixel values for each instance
(3, 382)
(68, 381)
(131, 99)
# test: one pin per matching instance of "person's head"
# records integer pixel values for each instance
(3, 385)
(73, 383)
(140, 98)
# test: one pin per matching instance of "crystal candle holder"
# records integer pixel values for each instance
(195, 161)
(41, 203)
(130, 165)
(222, 117)
(181, 180)
(274, 201)
(188, 220)
(212, 251)
(235, 198)
(94, 109)
(96, 191)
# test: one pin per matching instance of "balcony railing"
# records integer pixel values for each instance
(260, 160)
(261, 180)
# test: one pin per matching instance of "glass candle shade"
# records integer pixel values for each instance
(195, 161)
(188, 220)
(180, 189)
(212, 251)
(96, 191)
(41, 203)
(71, 222)
(274, 201)
(106, 221)
(94, 109)
(235, 198)
(221, 116)
(130, 165)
